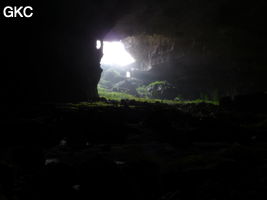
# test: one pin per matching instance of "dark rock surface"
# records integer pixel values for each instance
(52, 56)
(200, 46)
(132, 150)
(250, 102)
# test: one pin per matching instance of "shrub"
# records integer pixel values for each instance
(161, 90)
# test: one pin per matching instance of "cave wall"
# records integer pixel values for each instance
(52, 56)
(213, 45)
(150, 50)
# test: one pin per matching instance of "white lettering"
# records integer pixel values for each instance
(8, 11)
(15, 11)
(24, 11)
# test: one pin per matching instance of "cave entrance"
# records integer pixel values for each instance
(125, 77)
(117, 67)
(115, 54)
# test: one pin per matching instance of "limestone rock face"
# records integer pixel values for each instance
(201, 46)
(150, 50)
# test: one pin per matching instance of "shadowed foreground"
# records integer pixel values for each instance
(133, 150)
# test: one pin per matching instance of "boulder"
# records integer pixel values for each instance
(161, 90)
(128, 86)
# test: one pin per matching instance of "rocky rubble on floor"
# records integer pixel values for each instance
(145, 151)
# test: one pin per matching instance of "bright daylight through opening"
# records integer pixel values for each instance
(115, 54)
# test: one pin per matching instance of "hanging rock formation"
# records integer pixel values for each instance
(201, 46)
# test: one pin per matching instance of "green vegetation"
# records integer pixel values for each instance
(105, 84)
(214, 96)
(142, 91)
(112, 75)
(83, 105)
(113, 86)
(158, 83)
(117, 96)
(157, 90)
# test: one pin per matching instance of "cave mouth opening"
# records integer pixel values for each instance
(117, 64)
(114, 54)
(125, 77)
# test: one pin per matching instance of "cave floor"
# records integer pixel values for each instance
(132, 150)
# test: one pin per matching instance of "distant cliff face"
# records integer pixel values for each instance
(150, 50)
(213, 45)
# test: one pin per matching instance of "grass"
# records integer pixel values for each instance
(117, 96)
(83, 105)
